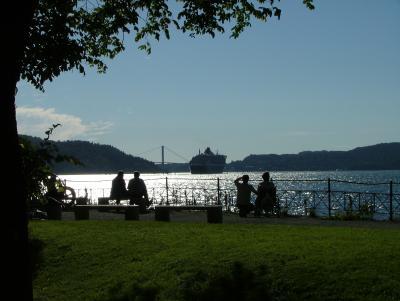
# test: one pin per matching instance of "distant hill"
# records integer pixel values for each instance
(100, 158)
(97, 158)
(384, 156)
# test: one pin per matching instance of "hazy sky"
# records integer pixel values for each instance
(327, 79)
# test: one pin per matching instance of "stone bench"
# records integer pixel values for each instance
(106, 201)
(214, 212)
(82, 211)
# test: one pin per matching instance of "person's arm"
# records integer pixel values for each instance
(124, 192)
(237, 181)
(146, 196)
(253, 189)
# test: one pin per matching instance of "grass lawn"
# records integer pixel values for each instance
(119, 260)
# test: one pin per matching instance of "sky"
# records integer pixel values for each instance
(327, 79)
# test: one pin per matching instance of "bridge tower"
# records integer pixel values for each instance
(162, 157)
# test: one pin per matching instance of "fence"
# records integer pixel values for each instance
(327, 197)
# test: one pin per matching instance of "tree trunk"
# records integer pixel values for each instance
(16, 268)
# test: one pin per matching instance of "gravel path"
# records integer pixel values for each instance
(232, 218)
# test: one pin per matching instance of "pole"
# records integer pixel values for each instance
(162, 158)
(329, 197)
(166, 187)
(391, 201)
(218, 188)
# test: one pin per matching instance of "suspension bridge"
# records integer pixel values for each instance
(163, 149)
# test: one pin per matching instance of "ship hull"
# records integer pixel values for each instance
(206, 169)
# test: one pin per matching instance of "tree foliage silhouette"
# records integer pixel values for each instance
(37, 166)
(67, 35)
(42, 38)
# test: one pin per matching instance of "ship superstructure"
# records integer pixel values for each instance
(207, 163)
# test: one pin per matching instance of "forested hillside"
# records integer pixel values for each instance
(100, 158)
(375, 157)
(97, 158)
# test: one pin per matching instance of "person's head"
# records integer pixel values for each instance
(136, 174)
(120, 173)
(245, 178)
(265, 176)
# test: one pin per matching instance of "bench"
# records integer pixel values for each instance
(214, 212)
(106, 200)
(82, 211)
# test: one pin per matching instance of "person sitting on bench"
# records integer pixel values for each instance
(138, 193)
(118, 188)
(244, 190)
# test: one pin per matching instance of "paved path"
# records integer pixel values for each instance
(232, 218)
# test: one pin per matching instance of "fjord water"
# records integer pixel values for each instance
(98, 185)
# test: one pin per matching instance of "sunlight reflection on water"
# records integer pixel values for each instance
(98, 185)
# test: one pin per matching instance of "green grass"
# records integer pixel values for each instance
(119, 260)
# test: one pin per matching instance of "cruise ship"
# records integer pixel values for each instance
(207, 163)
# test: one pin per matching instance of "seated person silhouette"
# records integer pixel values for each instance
(118, 188)
(138, 193)
(244, 190)
(266, 200)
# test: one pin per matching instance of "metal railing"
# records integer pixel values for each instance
(300, 197)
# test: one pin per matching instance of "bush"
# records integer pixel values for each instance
(37, 165)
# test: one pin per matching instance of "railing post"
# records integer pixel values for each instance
(391, 201)
(218, 190)
(374, 202)
(329, 197)
(166, 187)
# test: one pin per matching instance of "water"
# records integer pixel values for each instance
(347, 187)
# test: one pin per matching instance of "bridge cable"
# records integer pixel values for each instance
(176, 154)
(147, 151)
